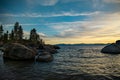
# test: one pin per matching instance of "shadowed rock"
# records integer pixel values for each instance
(50, 49)
(44, 57)
(112, 48)
(18, 51)
(56, 47)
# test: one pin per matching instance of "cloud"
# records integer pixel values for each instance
(100, 28)
(68, 1)
(37, 15)
(111, 1)
(7, 27)
(50, 2)
(42, 34)
(97, 3)
(25, 24)
(106, 4)
(67, 33)
(42, 2)
(26, 34)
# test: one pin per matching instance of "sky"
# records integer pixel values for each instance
(64, 21)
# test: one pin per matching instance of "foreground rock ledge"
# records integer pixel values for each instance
(18, 51)
(113, 48)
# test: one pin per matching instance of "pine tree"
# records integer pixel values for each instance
(20, 33)
(16, 35)
(6, 35)
(1, 32)
(33, 35)
(11, 35)
(16, 26)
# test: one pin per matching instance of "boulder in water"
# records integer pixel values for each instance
(44, 57)
(112, 48)
(18, 51)
(50, 49)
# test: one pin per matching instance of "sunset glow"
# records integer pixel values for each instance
(65, 21)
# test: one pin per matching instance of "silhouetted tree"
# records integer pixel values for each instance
(1, 32)
(16, 26)
(16, 35)
(11, 35)
(20, 32)
(41, 44)
(6, 35)
(33, 35)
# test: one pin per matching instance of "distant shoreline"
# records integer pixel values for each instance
(79, 44)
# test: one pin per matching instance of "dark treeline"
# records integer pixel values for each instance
(16, 35)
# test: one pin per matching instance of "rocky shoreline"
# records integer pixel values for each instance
(15, 47)
(17, 51)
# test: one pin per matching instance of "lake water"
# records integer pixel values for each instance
(71, 63)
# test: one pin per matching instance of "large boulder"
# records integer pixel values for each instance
(112, 48)
(44, 57)
(18, 51)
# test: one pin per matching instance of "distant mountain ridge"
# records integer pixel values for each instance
(80, 44)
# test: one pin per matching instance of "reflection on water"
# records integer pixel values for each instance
(72, 62)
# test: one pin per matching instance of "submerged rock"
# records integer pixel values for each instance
(112, 48)
(44, 57)
(18, 51)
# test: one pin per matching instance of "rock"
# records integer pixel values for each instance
(44, 57)
(112, 48)
(56, 47)
(50, 49)
(18, 51)
(118, 42)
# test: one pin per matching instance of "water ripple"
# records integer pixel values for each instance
(72, 62)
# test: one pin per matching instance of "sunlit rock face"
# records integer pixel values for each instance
(112, 48)
(18, 51)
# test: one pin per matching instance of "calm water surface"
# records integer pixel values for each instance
(72, 62)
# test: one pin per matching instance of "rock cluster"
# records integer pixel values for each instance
(17, 51)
